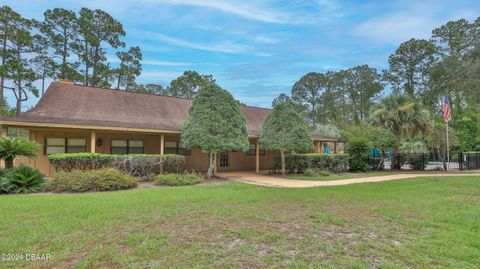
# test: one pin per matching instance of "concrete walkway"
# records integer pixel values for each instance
(265, 180)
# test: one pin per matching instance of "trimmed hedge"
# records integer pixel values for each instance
(179, 179)
(138, 165)
(80, 161)
(105, 179)
(298, 163)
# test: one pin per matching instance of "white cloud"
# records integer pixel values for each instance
(160, 75)
(224, 46)
(245, 9)
(418, 21)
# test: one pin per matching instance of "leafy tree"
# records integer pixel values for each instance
(96, 28)
(455, 38)
(357, 149)
(215, 124)
(286, 131)
(188, 84)
(402, 115)
(130, 66)
(280, 99)
(44, 67)
(383, 140)
(362, 87)
(10, 148)
(21, 45)
(61, 29)
(328, 130)
(306, 95)
(8, 21)
(408, 71)
(148, 88)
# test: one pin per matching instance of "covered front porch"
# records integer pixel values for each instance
(65, 139)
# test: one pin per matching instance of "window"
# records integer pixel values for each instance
(64, 145)
(223, 159)
(174, 147)
(252, 150)
(126, 147)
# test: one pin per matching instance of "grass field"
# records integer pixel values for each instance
(340, 176)
(421, 223)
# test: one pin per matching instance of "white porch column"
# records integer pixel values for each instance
(162, 144)
(93, 141)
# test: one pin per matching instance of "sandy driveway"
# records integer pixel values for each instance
(252, 178)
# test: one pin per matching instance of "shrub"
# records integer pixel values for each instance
(309, 172)
(105, 179)
(138, 165)
(13, 147)
(80, 161)
(298, 163)
(324, 173)
(22, 179)
(358, 149)
(184, 179)
(358, 165)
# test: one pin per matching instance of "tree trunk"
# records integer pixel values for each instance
(19, 100)
(43, 83)
(86, 63)
(284, 170)
(4, 54)
(9, 163)
(211, 166)
(64, 59)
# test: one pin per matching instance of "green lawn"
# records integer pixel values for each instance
(340, 176)
(421, 223)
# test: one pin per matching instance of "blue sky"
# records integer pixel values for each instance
(258, 49)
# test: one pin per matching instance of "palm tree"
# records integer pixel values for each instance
(13, 147)
(402, 115)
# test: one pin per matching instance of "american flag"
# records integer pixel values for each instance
(447, 114)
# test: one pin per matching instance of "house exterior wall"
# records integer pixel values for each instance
(197, 160)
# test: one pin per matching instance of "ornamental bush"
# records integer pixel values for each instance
(298, 163)
(21, 179)
(105, 179)
(80, 161)
(138, 165)
(184, 179)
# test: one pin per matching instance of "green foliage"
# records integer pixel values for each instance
(138, 165)
(12, 147)
(329, 130)
(80, 161)
(409, 66)
(383, 139)
(188, 84)
(105, 179)
(358, 165)
(21, 179)
(183, 179)
(358, 148)
(306, 94)
(130, 67)
(299, 163)
(404, 116)
(285, 130)
(215, 123)
(413, 146)
(309, 172)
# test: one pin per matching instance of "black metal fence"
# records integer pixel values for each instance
(425, 162)
(469, 160)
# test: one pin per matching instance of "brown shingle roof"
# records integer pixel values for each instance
(66, 103)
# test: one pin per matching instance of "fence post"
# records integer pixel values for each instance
(460, 161)
(423, 161)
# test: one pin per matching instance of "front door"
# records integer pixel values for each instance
(223, 161)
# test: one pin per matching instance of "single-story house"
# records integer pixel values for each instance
(73, 118)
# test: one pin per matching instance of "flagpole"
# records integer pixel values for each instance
(448, 151)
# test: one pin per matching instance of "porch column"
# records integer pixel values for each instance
(162, 144)
(334, 147)
(257, 156)
(317, 148)
(4, 135)
(93, 141)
